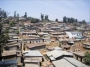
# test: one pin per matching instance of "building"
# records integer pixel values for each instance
(74, 34)
(8, 55)
(57, 54)
(86, 45)
(32, 58)
(8, 63)
(36, 46)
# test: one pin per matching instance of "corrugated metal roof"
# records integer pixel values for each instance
(8, 62)
(75, 62)
(32, 53)
(62, 63)
(58, 53)
(54, 53)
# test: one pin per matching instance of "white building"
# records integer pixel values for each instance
(74, 34)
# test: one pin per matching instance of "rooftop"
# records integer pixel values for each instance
(62, 63)
(7, 53)
(34, 45)
(34, 53)
(75, 62)
(7, 62)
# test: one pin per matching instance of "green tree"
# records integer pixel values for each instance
(87, 58)
(69, 20)
(46, 18)
(12, 23)
(17, 17)
(42, 16)
(83, 22)
(34, 20)
(3, 36)
(25, 16)
(65, 19)
(0, 28)
(72, 20)
(17, 31)
(56, 20)
(14, 14)
(76, 20)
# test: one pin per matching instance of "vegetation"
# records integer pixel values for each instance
(17, 31)
(72, 20)
(46, 18)
(3, 35)
(12, 23)
(33, 20)
(25, 16)
(42, 16)
(56, 20)
(14, 14)
(87, 58)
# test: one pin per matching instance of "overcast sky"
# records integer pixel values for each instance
(79, 9)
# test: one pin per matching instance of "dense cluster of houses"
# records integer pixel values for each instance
(46, 44)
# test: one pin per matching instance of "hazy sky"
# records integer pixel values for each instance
(79, 9)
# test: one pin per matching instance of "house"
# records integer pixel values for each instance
(57, 54)
(8, 55)
(32, 58)
(8, 63)
(86, 45)
(74, 34)
(43, 34)
(33, 40)
(75, 62)
(59, 58)
(12, 47)
(36, 46)
(28, 32)
(62, 63)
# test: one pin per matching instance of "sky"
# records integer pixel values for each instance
(79, 9)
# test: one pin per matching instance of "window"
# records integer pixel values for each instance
(30, 42)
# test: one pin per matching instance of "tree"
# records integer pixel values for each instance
(46, 18)
(42, 16)
(34, 20)
(14, 14)
(69, 20)
(3, 36)
(25, 16)
(0, 28)
(87, 58)
(65, 19)
(76, 20)
(72, 20)
(83, 22)
(12, 23)
(56, 20)
(17, 17)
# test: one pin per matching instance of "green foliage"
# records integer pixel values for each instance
(87, 58)
(33, 20)
(83, 22)
(42, 16)
(6, 30)
(65, 19)
(0, 28)
(25, 16)
(17, 31)
(12, 23)
(56, 20)
(14, 14)
(72, 20)
(3, 35)
(46, 18)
